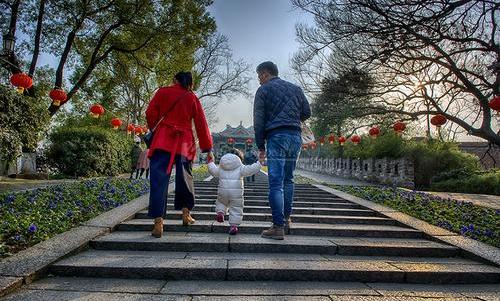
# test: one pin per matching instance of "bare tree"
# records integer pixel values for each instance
(427, 57)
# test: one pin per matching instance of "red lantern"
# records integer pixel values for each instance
(249, 141)
(374, 132)
(355, 139)
(58, 96)
(21, 81)
(342, 140)
(138, 130)
(331, 139)
(304, 146)
(230, 140)
(322, 140)
(438, 120)
(495, 103)
(97, 110)
(145, 129)
(399, 127)
(116, 123)
(313, 145)
(130, 128)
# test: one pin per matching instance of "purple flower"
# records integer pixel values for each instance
(32, 228)
(17, 237)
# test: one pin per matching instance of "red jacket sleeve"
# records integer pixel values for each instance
(201, 126)
(153, 110)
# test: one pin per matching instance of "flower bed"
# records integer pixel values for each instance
(29, 217)
(476, 222)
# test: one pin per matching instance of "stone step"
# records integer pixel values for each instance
(175, 266)
(344, 230)
(252, 243)
(331, 205)
(266, 192)
(296, 210)
(265, 197)
(296, 218)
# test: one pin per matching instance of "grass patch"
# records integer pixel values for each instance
(476, 222)
(200, 173)
(29, 217)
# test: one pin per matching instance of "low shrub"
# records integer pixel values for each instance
(457, 216)
(32, 216)
(89, 151)
(483, 183)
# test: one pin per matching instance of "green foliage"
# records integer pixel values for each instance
(33, 216)
(483, 183)
(22, 121)
(201, 172)
(89, 151)
(433, 157)
(456, 216)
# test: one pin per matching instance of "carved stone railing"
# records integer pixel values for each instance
(398, 172)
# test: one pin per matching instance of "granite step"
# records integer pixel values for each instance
(175, 266)
(252, 243)
(330, 198)
(253, 227)
(296, 218)
(265, 203)
(296, 210)
(266, 191)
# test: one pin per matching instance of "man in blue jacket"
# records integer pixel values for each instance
(279, 109)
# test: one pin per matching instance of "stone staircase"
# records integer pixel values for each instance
(330, 239)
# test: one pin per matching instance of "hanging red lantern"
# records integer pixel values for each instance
(97, 110)
(249, 141)
(322, 141)
(495, 103)
(130, 128)
(145, 129)
(313, 145)
(355, 139)
(304, 146)
(58, 96)
(331, 139)
(374, 132)
(21, 81)
(116, 123)
(230, 140)
(138, 130)
(438, 120)
(399, 127)
(342, 140)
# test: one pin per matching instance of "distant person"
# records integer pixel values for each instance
(170, 114)
(279, 109)
(250, 158)
(143, 165)
(134, 156)
(230, 192)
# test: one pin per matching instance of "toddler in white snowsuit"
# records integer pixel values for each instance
(230, 193)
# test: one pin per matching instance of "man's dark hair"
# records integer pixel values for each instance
(185, 79)
(236, 152)
(269, 67)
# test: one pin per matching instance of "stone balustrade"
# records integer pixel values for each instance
(387, 171)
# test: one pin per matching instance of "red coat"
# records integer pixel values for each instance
(175, 132)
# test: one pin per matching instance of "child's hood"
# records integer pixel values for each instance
(230, 162)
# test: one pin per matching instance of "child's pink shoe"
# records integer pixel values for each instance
(220, 217)
(233, 230)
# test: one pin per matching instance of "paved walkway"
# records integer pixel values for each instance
(331, 179)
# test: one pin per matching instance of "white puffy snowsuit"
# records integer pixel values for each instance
(230, 193)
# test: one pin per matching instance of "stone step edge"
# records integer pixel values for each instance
(470, 248)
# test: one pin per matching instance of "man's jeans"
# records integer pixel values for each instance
(283, 150)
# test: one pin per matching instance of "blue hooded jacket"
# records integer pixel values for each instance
(279, 107)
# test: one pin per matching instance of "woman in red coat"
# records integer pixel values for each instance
(174, 143)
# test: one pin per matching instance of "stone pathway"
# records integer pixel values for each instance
(483, 200)
(331, 179)
(335, 250)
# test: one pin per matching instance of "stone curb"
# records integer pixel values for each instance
(30, 264)
(471, 248)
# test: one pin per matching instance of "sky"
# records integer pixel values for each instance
(258, 31)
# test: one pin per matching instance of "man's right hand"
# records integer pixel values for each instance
(262, 156)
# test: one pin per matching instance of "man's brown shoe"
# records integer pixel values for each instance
(275, 232)
(158, 227)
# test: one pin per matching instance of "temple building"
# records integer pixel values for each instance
(238, 137)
